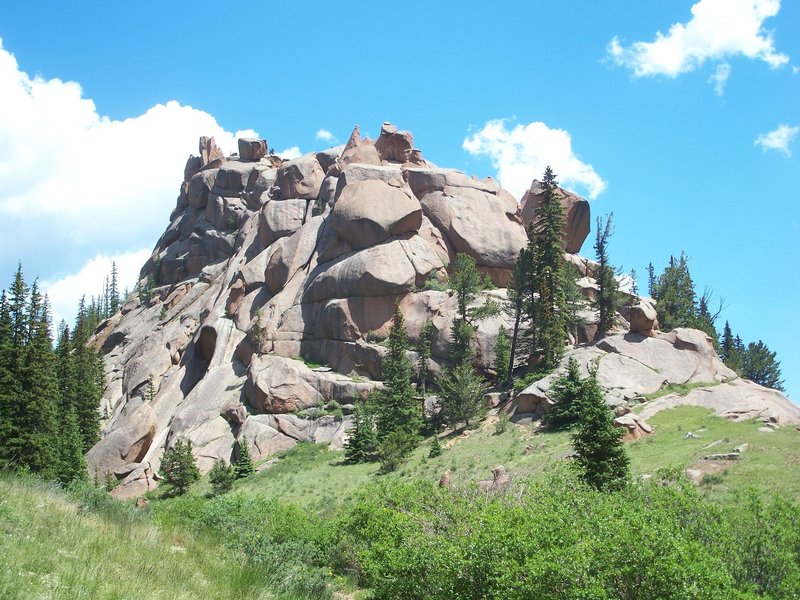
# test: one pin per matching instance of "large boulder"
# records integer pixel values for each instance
(275, 385)
(393, 145)
(476, 217)
(299, 178)
(391, 268)
(369, 212)
(126, 443)
(643, 319)
(576, 210)
(252, 149)
(279, 218)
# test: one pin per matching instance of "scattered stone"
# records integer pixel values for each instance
(500, 480)
(723, 456)
(142, 503)
(766, 430)
(691, 436)
(694, 475)
(444, 480)
(741, 448)
(712, 444)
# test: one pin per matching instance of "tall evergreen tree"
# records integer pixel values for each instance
(598, 444)
(502, 353)
(760, 365)
(397, 409)
(35, 415)
(674, 292)
(9, 384)
(547, 308)
(519, 290)
(424, 354)
(607, 300)
(567, 393)
(114, 300)
(651, 280)
(71, 460)
(730, 350)
(89, 378)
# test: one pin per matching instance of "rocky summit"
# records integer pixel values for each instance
(264, 305)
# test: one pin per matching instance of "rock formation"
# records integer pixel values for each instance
(260, 314)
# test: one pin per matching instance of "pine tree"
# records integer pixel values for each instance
(361, 442)
(72, 463)
(519, 289)
(760, 366)
(730, 351)
(502, 354)
(547, 309)
(567, 393)
(35, 417)
(461, 390)
(607, 300)
(179, 468)
(89, 377)
(674, 292)
(9, 385)
(244, 466)
(113, 289)
(436, 447)
(221, 477)
(597, 442)
(424, 354)
(651, 280)
(396, 409)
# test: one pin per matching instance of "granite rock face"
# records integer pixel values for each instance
(269, 295)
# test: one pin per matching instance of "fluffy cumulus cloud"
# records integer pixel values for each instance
(65, 293)
(75, 184)
(717, 29)
(325, 135)
(521, 153)
(778, 139)
(290, 153)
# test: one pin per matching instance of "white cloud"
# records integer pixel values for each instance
(290, 153)
(522, 153)
(66, 292)
(720, 77)
(75, 182)
(325, 135)
(778, 139)
(718, 29)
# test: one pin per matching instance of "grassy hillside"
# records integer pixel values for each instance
(316, 478)
(53, 547)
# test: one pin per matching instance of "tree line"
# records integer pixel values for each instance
(49, 396)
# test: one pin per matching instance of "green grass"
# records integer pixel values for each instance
(314, 477)
(51, 548)
(771, 464)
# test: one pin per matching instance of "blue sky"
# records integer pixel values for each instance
(681, 118)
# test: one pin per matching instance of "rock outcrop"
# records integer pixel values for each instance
(576, 210)
(261, 312)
